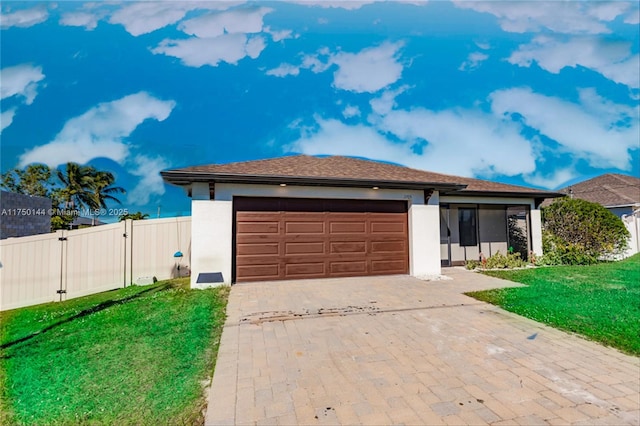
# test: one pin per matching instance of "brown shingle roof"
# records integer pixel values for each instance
(337, 168)
(610, 190)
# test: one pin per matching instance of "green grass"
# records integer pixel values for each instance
(600, 302)
(138, 355)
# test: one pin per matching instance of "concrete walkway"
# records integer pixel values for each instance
(398, 350)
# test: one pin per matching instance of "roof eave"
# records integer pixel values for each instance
(622, 205)
(518, 194)
(185, 178)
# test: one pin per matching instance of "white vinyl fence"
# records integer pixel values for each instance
(632, 222)
(68, 264)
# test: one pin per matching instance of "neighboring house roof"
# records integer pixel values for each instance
(86, 221)
(610, 190)
(342, 171)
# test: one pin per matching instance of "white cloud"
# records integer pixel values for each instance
(473, 61)
(335, 4)
(463, 143)
(470, 142)
(22, 81)
(279, 35)
(554, 180)
(387, 101)
(633, 17)
(353, 71)
(24, 18)
(100, 132)
(88, 20)
(150, 183)
(212, 25)
(369, 70)
(607, 11)
(612, 59)
(336, 138)
(196, 52)
(568, 17)
(284, 70)
(313, 62)
(6, 118)
(218, 37)
(148, 16)
(351, 111)
(594, 129)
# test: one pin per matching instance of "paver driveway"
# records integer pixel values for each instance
(398, 350)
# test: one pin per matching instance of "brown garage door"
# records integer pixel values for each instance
(286, 238)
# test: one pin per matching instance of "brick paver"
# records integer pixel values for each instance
(398, 350)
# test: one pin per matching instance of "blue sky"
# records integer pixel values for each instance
(531, 93)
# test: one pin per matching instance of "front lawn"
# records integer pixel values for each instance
(600, 302)
(138, 355)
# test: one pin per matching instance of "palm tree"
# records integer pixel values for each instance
(103, 190)
(77, 184)
(134, 216)
(86, 187)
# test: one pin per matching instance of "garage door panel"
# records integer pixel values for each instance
(259, 271)
(244, 217)
(398, 246)
(304, 248)
(305, 270)
(302, 216)
(257, 260)
(256, 249)
(346, 217)
(248, 215)
(302, 228)
(257, 228)
(358, 267)
(359, 247)
(379, 227)
(388, 266)
(349, 228)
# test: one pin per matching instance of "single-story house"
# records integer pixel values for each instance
(620, 194)
(305, 216)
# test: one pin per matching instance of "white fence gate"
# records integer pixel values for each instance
(68, 264)
(632, 222)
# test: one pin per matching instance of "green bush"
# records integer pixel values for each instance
(472, 264)
(578, 232)
(498, 261)
(508, 261)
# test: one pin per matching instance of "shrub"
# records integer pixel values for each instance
(472, 264)
(498, 261)
(578, 232)
(501, 261)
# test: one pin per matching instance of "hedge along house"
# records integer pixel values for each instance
(303, 217)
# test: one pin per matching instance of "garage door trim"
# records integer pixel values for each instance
(330, 228)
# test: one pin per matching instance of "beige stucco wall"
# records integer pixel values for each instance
(424, 238)
(213, 223)
(536, 231)
(211, 233)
